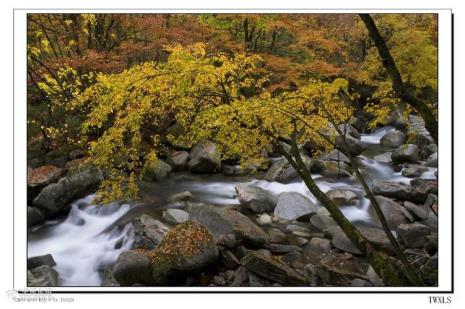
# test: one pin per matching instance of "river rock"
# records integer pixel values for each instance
(39, 177)
(405, 153)
(272, 269)
(276, 236)
(335, 169)
(256, 199)
(34, 216)
(37, 261)
(393, 139)
(178, 160)
(343, 197)
(383, 157)
(422, 188)
(335, 155)
(264, 219)
(318, 246)
(413, 235)
(413, 171)
(419, 212)
(355, 145)
(157, 171)
(322, 219)
(148, 232)
(282, 171)
(204, 158)
(42, 276)
(175, 216)
(394, 213)
(133, 267)
(187, 247)
(54, 197)
(293, 205)
(428, 150)
(432, 160)
(281, 249)
(180, 197)
(392, 189)
(222, 222)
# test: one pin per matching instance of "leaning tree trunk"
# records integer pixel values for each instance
(383, 265)
(431, 123)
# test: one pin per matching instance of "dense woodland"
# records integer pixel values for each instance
(123, 92)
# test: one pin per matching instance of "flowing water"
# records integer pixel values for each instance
(82, 248)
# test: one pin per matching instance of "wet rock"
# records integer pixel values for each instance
(335, 155)
(384, 157)
(157, 171)
(343, 243)
(180, 197)
(392, 189)
(272, 269)
(431, 221)
(343, 197)
(293, 205)
(187, 247)
(221, 221)
(36, 261)
(280, 249)
(148, 232)
(54, 197)
(431, 202)
(204, 158)
(355, 145)
(228, 259)
(42, 276)
(357, 282)
(256, 199)
(132, 267)
(413, 235)
(432, 160)
(282, 171)
(393, 139)
(34, 216)
(422, 188)
(335, 169)
(175, 216)
(405, 153)
(413, 171)
(40, 177)
(178, 160)
(428, 150)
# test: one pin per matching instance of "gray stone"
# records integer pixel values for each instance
(42, 276)
(355, 145)
(276, 236)
(343, 197)
(393, 139)
(357, 282)
(293, 205)
(322, 219)
(334, 169)
(393, 212)
(157, 171)
(413, 235)
(256, 199)
(175, 216)
(272, 269)
(222, 221)
(264, 219)
(54, 197)
(204, 158)
(384, 157)
(405, 153)
(34, 216)
(280, 249)
(37, 261)
(178, 160)
(413, 171)
(335, 155)
(281, 171)
(318, 246)
(419, 212)
(132, 267)
(432, 160)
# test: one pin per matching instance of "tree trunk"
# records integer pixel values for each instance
(398, 86)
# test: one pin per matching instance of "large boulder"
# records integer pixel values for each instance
(40, 177)
(394, 213)
(223, 223)
(204, 158)
(157, 171)
(272, 269)
(256, 199)
(34, 216)
(414, 170)
(175, 216)
(393, 139)
(187, 247)
(293, 205)
(178, 160)
(322, 219)
(417, 191)
(133, 267)
(405, 153)
(36, 261)
(343, 197)
(355, 145)
(54, 197)
(334, 169)
(282, 171)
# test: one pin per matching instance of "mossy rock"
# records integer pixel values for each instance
(186, 248)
